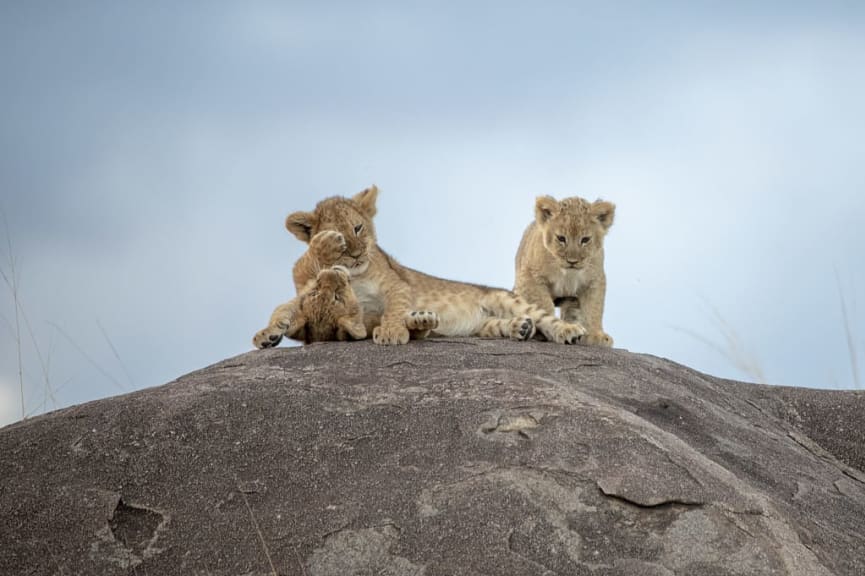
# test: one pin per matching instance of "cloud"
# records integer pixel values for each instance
(151, 197)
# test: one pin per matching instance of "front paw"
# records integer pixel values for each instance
(568, 332)
(268, 338)
(327, 247)
(422, 320)
(597, 339)
(390, 335)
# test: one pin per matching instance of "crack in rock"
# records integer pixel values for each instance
(651, 504)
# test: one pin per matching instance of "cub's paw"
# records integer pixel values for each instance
(568, 332)
(327, 247)
(390, 335)
(597, 339)
(522, 328)
(422, 320)
(268, 338)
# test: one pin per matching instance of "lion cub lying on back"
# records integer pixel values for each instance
(327, 309)
(340, 231)
(560, 262)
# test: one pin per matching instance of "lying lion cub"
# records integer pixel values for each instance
(560, 262)
(340, 231)
(327, 309)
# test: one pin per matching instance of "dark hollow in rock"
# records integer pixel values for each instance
(134, 527)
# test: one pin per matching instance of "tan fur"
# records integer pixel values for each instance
(560, 262)
(327, 309)
(341, 231)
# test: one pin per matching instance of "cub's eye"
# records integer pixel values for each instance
(562, 239)
(337, 298)
(357, 229)
(585, 240)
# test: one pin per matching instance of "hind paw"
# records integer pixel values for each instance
(422, 320)
(568, 332)
(268, 338)
(522, 328)
(597, 339)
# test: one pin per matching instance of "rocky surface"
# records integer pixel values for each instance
(441, 457)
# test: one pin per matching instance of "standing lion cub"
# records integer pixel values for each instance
(560, 262)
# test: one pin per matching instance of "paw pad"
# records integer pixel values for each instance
(422, 320)
(522, 328)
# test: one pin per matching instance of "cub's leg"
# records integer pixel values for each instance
(536, 294)
(324, 250)
(283, 319)
(591, 308)
(327, 247)
(519, 328)
(570, 307)
(565, 331)
(392, 330)
(507, 305)
(352, 327)
(420, 323)
(572, 312)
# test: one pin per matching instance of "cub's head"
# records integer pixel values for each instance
(351, 217)
(573, 229)
(329, 310)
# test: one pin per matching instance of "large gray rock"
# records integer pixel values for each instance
(440, 457)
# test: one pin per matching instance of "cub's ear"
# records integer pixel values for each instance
(296, 329)
(603, 212)
(353, 326)
(545, 208)
(301, 224)
(365, 200)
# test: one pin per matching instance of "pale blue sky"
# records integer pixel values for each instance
(150, 151)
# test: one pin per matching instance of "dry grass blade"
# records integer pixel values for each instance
(848, 332)
(735, 349)
(299, 561)
(116, 354)
(732, 348)
(13, 287)
(257, 529)
(87, 357)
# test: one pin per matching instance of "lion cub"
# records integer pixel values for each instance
(340, 231)
(560, 262)
(327, 309)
